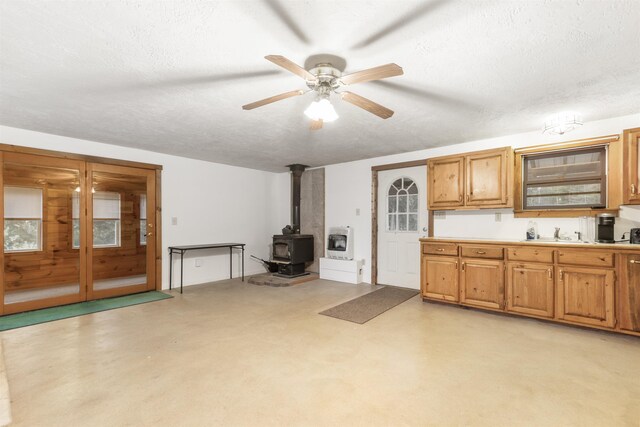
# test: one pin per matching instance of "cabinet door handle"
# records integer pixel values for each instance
(481, 252)
(439, 249)
(633, 261)
(550, 273)
(460, 198)
(633, 189)
(561, 275)
(463, 266)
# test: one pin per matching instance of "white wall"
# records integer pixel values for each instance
(213, 203)
(348, 187)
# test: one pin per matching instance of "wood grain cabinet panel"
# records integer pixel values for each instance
(440, 278)
(481, 179)
(446, 182)
(493, 252)
(585, 257)
(440, 249)
(487, 179)
(530, 289)
(482, 283)
(631, 167)
(530, 254)
(629, 293)
(585, 295)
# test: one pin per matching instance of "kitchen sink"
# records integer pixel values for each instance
(560, 242)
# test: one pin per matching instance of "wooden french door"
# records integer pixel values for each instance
(74, 231)
(121, 248)
(41, 265)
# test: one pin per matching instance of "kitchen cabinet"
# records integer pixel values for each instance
(631, 166)
(440, 278)
(585, 295)
(530, 289)
(589, 285)
(446, 182)
(487, 182)
(474, 180)
(629, 293)
(482, 283)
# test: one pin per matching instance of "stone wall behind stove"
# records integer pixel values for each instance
(312, 212)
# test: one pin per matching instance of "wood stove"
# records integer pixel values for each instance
(292, 252)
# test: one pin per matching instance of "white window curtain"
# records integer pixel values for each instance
(22, 202)
(22, 219)
(143, 206)
(106, 205)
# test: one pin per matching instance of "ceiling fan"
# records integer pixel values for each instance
(326, 77)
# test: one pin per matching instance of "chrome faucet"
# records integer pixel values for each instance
(556, 234)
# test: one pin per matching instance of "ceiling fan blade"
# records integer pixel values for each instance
(272, 99)
(366, 104)
(288, 21)
(316, 124)
(375, 73)
(290, 66)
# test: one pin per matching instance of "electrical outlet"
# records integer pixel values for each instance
(174, 220)
(198, 262)
(440, 214)
(498, 216)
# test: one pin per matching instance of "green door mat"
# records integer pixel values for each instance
(29, 318)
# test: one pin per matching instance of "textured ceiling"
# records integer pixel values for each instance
(171, 76)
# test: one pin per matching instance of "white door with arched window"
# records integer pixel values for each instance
(402, 220)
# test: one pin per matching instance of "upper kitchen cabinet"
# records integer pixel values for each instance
(476, 180)
(631, 166)
(446, 182)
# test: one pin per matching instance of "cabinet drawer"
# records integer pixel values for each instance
(493, 252)
(440, 249)
(585, 257)
(530, 254)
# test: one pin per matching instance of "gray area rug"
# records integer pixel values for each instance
(364, 308)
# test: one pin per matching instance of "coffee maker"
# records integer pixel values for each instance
(604, 228)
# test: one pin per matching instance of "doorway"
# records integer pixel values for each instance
(401, 221)
(74, 230)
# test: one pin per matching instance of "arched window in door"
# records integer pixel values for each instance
(402, 205)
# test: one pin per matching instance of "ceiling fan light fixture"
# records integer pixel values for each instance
(321, 110)
(561, 123)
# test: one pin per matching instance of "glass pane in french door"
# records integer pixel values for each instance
(42, 267)
(118, 221)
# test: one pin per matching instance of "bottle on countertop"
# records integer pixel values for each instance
(532, 230)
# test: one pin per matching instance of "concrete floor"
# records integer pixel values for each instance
(235, 354)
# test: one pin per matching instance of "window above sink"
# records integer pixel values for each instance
(568, 179)
(575, 178)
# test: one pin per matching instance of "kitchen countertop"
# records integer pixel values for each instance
(563, 243)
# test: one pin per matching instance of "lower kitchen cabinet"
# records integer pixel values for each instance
(585, 295)
(629, 293)
(530, 289)
(440, 278)
(482, 283)
(589, 285)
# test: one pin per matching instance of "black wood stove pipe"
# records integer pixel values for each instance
(296, 176)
